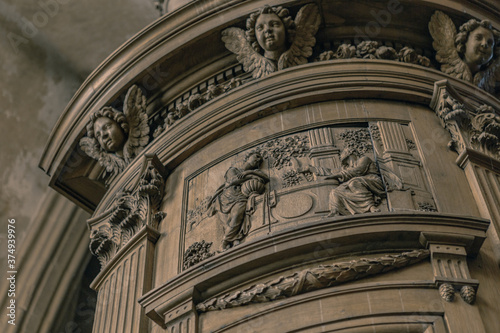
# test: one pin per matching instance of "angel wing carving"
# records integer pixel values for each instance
(236, 42)
(307, 21)
(449, 52)
(134, 109)
(301, 33)
(117, 140)
(443, 32)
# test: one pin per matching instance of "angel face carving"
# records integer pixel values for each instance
(273, 41)
(479, 48)
(472, 54)
(114, 138)
(109, 134)
(271, 35)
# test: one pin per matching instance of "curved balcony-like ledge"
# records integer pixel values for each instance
(328, 238)
(163, 43)
(294, 87)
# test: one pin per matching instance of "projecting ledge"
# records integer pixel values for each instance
(329, 239)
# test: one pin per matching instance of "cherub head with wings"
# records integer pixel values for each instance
(471, 54)
(273, 41)
(272, 30)
(476, 42)
(114, 138)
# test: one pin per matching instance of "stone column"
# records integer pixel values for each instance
(397, 157)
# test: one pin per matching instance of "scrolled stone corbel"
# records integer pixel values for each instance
(469, 127)
(130, 212)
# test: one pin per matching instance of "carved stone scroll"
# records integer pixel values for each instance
(130, 212)
(469, 127)
(312, 279)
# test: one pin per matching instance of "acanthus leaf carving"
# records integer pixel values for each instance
(131, 211)
(115, 138)
(469, 127)
(262, 51)
(311, 279)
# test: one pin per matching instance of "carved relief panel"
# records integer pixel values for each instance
(326, 172)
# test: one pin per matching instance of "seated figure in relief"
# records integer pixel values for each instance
(360, 188)
(114, 138)
(236, 198)
(472, 54)
(273, 41)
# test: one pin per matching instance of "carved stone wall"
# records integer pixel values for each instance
(272, 176)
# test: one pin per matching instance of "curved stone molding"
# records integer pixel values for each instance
(312, 279)
(146, 60)
(263, 256)
(319, 82)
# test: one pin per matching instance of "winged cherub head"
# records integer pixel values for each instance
(270, 29)
(110, 128)
(476, 42)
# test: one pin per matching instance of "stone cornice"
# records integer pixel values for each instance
(334, 238)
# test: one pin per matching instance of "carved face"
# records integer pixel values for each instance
(270, 32)
(109, 134)
(479, 47)
(253, 161)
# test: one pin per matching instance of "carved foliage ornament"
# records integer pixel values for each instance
(273, 41)
(374, 50)
(130, 212)
(472, 54)
(195, 101)
(478, 129)
(114, 138)
(311, 279)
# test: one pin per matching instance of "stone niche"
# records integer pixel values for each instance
(315, 193)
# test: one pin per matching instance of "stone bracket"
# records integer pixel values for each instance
(469, 126)
(449, 263)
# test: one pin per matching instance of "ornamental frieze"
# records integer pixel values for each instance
(323, 172)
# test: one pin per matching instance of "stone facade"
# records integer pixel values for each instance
(291, 166)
